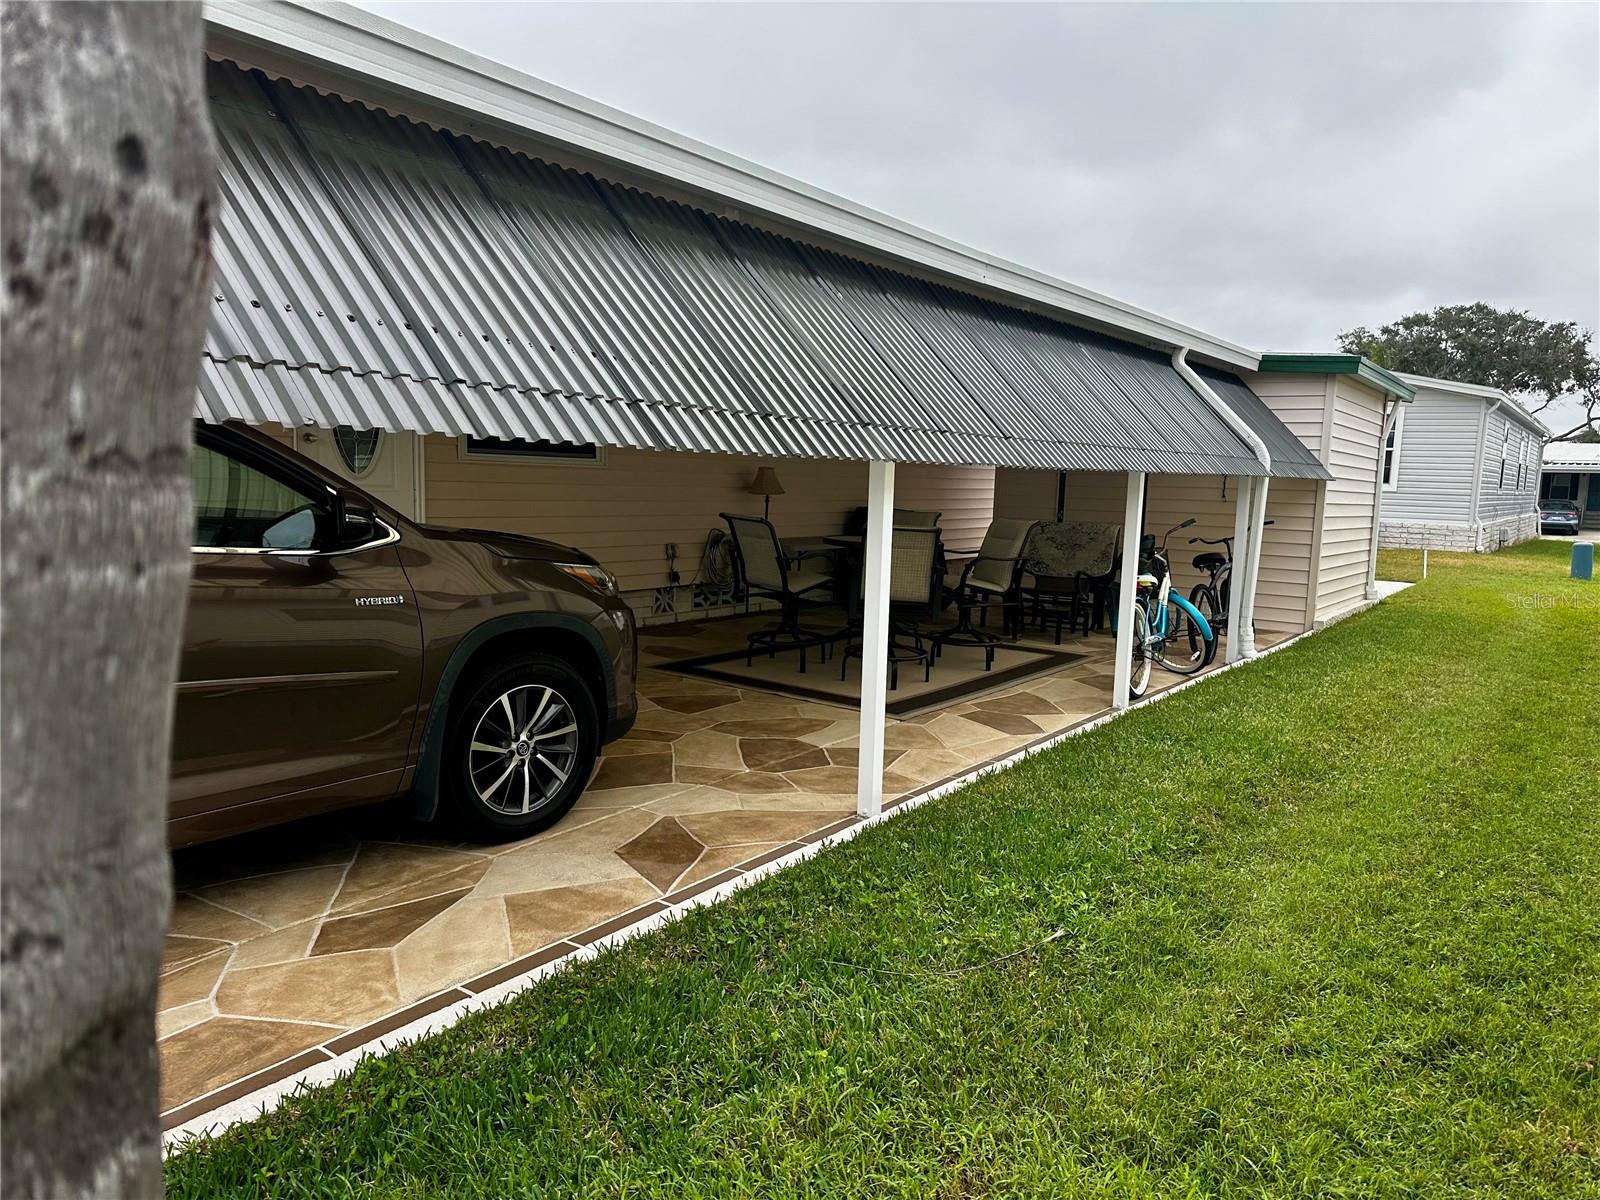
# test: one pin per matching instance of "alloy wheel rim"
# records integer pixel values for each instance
(523, 750)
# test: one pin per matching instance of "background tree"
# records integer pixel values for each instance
(1552, 363)
(107, 187)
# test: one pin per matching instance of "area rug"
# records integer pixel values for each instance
(957, 674)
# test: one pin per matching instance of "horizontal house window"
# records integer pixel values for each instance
(516, 448)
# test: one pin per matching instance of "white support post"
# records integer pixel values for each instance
(1391, 414)
(875, 637)
(1243, 489)
(1247, 600)
(1132, 526)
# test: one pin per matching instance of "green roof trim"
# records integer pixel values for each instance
(1338, 364)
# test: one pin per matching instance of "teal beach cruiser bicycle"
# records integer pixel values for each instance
(1168, 631)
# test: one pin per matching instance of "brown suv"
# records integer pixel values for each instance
(338, 654)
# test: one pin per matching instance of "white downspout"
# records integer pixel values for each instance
(1180, 363)
(1245, 620)
(1391, 414)
(1244, 485)
(1241, 621)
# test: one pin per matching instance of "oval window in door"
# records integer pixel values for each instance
(358, 448)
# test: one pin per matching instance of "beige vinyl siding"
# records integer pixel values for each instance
(625, 511)
(1352, 455)
(1286, 555)
(1031, 495)
(964, 495)
(277, 433)
(1102, 496)
(1299, 401)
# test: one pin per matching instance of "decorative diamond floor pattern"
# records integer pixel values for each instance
(292, 944)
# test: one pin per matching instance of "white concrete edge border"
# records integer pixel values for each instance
(263, 1100)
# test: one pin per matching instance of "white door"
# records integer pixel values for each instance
(383, 464)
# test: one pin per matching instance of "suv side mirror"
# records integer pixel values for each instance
(354, 521)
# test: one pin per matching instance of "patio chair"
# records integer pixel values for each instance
(915, 582)
(991, 579)
(763, 570)
(1070, 564)
(911, 518)
(904, 518)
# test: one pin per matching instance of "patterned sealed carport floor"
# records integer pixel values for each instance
(295, 944)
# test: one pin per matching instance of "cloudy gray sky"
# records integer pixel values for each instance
(1269, 173)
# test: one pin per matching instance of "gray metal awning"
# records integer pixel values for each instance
(1289, 455)
(379, 273)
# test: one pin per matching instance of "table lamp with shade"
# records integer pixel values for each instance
(765, 485)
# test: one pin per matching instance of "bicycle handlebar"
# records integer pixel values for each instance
(1221, 541)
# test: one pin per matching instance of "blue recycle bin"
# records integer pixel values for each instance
(1583, 560)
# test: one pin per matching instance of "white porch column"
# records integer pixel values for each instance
(1391, 413)
(1243, 488)
(1132, 526)
(1246, 613)
(875, 636)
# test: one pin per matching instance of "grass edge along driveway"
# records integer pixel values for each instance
(1329, 926)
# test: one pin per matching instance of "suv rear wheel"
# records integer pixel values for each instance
(520, 747)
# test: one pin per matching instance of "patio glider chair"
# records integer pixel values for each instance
(1070, 564)
(991, 579)
(915, 583)
(911, 518)
(763, 570)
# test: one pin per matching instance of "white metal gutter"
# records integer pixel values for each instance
(1242, 621)
(343, 49)
(1180, 363)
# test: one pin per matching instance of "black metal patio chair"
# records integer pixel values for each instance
(914, 587)
(764, 570)
(991, 580)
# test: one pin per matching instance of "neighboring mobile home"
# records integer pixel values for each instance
(1460, 469)
(1571, 471)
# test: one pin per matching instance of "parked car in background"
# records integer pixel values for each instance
(336, 654)
(1558, 516)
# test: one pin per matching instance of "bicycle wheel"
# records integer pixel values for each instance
(1185, 649)
(1204, 598)
(1139, 676)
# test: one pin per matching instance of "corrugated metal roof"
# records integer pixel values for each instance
(1290, 457)
(1571, 456)
(374, 272)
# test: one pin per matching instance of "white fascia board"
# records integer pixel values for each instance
(346, 50)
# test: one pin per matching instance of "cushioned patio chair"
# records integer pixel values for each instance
(915, 582)
(1067, 569)
(763, 570)
(904, 518)
(992, 579)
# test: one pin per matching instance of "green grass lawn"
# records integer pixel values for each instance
(1403, 565)
(1330, 927)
